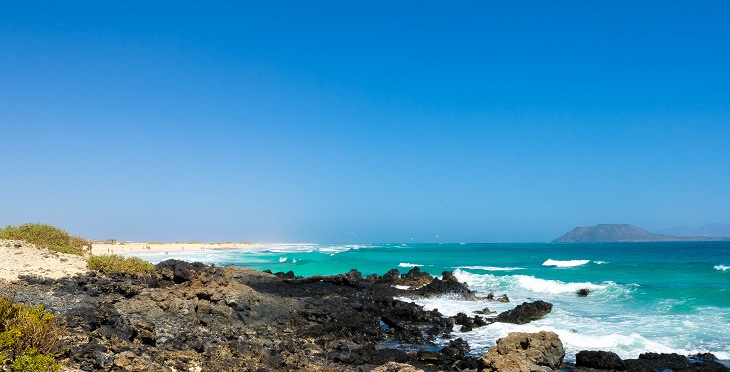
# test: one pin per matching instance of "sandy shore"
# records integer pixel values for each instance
(135, 247)
(20, 258)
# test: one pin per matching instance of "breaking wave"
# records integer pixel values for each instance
(490, 268)
(568, 263)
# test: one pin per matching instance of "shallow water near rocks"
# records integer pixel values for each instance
(659, 297)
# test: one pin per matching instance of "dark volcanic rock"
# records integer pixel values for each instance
(467, 323)
(391, 277)
(502, 298)
(525, 313)
(599, 360)
(415, 278)
(583, 292)
(454, 357)
(675, 362)
(191, 316)
(448, 284)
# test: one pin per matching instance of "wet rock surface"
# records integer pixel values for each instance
(525, 313)
(599, 360)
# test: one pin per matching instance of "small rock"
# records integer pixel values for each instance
(599, 360)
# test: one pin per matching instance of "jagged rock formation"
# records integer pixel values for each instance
(526, 312)
(191, 316)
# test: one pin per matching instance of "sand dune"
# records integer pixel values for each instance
(21, 258)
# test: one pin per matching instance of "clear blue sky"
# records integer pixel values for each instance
(367, 121)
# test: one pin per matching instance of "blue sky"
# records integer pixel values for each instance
(363, 121)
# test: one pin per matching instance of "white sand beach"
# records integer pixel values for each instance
(20, 258)
(134, 247)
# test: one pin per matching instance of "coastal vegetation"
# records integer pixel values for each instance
(118, 264)
(47, 236)
(28, 336)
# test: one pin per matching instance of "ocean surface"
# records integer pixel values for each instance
(659, 297)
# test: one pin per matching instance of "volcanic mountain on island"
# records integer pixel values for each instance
(623, 233)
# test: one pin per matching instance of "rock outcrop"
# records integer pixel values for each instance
(525, 313)
(448, 284)
(674, 362)
(194, 316)
(599, 360)
(191, 316)
(519, 351)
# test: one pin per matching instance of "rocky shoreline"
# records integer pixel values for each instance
(195, 317)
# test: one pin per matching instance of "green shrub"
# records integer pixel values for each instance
(33, 361)
(46, 236)
(29, 334)
(119, 264)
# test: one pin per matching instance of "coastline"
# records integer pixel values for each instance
(139, 247)
(192, 316)
(336, 322)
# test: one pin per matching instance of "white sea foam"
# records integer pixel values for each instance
(600, 262)
(490, 268)
(568, 263)
(407, 264)
(524, 287)
(554, 286)
(722, 267)
(581, 333)
(282, 259)
(401, 287)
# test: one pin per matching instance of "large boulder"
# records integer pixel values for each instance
(520, 351)
(599, 360)
(525, 313)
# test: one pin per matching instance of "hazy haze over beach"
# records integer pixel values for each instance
(377, 122)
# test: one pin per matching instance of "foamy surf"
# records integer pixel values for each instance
(490, 268)
(407, 264)
(722, 267)
(568, 263)
(538, 285)
(628, 345)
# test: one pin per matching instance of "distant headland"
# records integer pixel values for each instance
(624, 233)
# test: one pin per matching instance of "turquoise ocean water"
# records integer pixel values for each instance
(661, 297)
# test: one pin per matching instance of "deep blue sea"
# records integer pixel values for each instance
(661, 297)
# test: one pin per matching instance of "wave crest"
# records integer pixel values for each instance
(538, 285)
(567, 263)
(490, 268)
(408, 264)
(722, 267)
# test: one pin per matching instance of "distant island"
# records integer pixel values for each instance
(623, 233)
